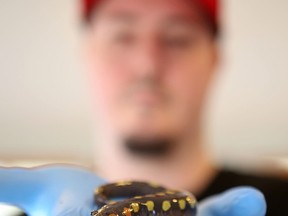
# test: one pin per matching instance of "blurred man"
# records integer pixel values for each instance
(151, 62)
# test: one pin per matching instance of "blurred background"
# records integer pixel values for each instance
(46, 112)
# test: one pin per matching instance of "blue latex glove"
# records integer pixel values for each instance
(50, 191)
(63, 191)
(240, 201)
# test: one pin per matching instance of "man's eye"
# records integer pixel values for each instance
(178, 42)
(123, 38)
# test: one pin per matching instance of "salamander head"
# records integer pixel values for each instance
(108, 211)
(104, 211)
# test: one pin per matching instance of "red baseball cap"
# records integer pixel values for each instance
(210, 9)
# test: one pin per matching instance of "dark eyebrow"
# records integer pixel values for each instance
(175, 20)
(179, 20)
(123, 17)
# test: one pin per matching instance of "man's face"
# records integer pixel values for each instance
(150, 62)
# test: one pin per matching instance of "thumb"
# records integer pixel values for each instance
(238, 201)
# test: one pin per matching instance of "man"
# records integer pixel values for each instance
(151, 62)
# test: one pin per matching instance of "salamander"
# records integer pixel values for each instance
(142, 199)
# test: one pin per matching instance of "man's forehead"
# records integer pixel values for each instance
(170, 11)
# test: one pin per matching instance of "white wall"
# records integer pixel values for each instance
(43, 98)
(44, 106)
(250, 102)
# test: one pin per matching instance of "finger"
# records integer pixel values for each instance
(238, 201)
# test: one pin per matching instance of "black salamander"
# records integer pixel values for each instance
(142, 199)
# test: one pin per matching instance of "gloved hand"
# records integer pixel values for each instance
(50, 191)
(67, 191)
(240, 201)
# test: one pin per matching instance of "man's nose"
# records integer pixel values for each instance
(149, 59)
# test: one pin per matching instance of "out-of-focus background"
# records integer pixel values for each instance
(45, 108)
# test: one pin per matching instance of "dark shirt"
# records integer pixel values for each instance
(274, 190)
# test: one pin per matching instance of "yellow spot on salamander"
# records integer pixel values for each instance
(170, 192)
(150, 205)
(175, 200)
(135, 207)
(153, 184)
(123, 183)
(166, 205)
(182, 204)
(192, 202)
(138, 197)
(127, 212)
(99, 190)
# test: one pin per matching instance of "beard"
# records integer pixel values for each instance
(149, 147)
